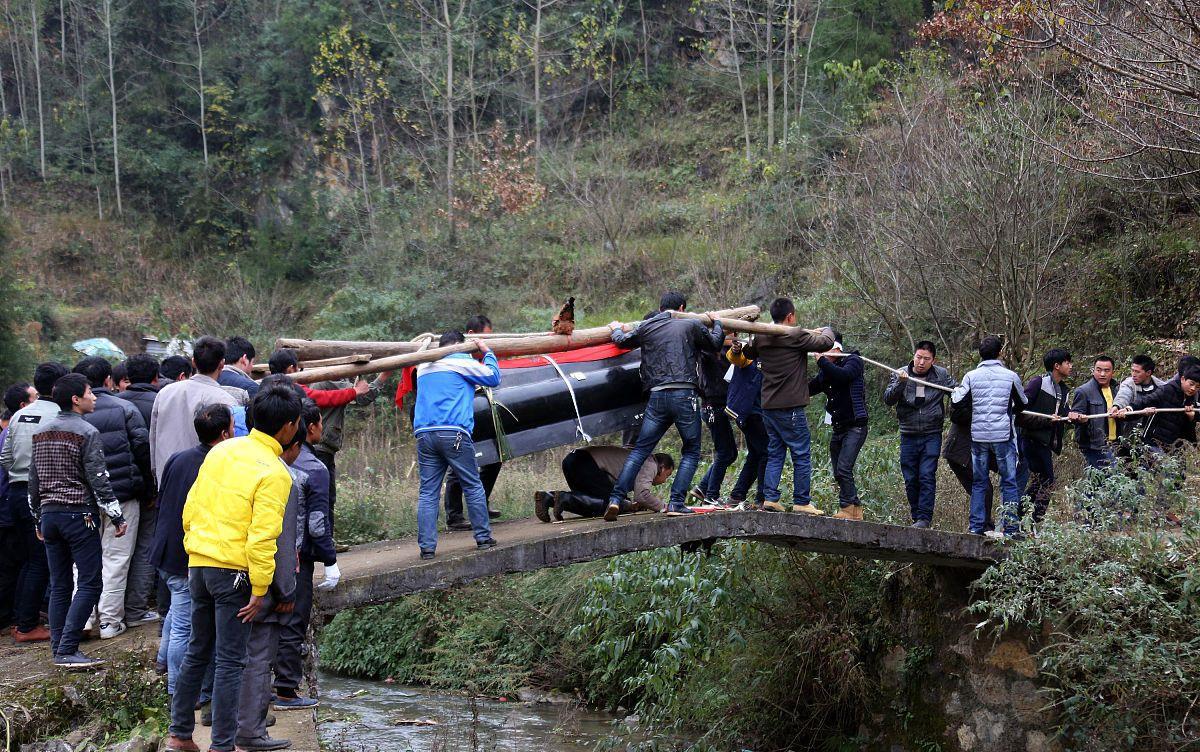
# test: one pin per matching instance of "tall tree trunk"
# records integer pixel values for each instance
(787, 52)
(737, 69)
(770, 57)
(62, 32)
(645, 40)
(196, 28)
(449, 29)
(112, 93)
(37, 73)
(18, 71)
(537, 84)
(812, 33)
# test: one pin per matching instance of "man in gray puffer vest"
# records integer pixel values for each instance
(995, 395)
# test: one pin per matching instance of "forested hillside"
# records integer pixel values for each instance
(380, 169)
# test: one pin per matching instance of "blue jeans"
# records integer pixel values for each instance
(725, 452)
(680, 407)
(1005, 453)
(177, 628)
(787, 430)
(218, 637)
(1099, 459)
(72, 539)
(918, 463)
(437, 452)
(755, 465)
(844, 446)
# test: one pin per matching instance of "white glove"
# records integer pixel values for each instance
(332, 575)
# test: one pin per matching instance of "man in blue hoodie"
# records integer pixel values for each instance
(443, 420)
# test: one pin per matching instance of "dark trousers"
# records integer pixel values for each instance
(262, 647)
(755, 466)
(454, 492)
(289, 660)
(918, 463)
(141, 584)
(31, 576)
(844, 446)
(966, 479)
(219, 636)
(72, 539)
(1039, 460)
(590, 487)
(666, 407)
(12, 556)
(725, 451)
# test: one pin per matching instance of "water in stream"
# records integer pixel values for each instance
(371, 715)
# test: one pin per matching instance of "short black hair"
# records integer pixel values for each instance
(672, 301)
(451, 338)
(1105, 358)
(273, 407)
(781, 308)
(119, 373)
(1180, 367)
(211, 421)
(478, 323)
(236, 347)
(664, 460)
(142, 368)
(1192, 373)
(297, 437)
(70, 385)
(281, 360)
(207, 353)
(46, 374)
(16, 395)
(990, 347)
(310, 412)
(837, 336)
(174, 366)
(926, 345)
(96, 369)
(1055, 356)
(1145, 362)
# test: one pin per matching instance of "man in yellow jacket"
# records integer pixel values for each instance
(232, 518)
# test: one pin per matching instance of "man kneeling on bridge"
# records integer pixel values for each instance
(591, 473)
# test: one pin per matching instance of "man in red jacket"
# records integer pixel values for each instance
(286, 362)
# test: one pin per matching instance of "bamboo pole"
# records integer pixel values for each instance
(503, 347)
(315, 349)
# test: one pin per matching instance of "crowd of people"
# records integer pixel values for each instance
(695, 375)
(190, 493)
(183, 493)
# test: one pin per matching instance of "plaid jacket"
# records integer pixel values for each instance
(69, 469)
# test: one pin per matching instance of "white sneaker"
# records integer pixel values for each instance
(109, 631)
(994, 534)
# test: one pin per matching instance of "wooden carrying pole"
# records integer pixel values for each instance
(503, 347)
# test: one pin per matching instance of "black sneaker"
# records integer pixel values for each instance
(458, 523)
(426, 553)
(263, 743)
(485, 544)
(494, 514)
(676, 510)
(921, 524)
(543, 502)
(77, 660)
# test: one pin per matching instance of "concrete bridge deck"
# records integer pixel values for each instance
(386, 571)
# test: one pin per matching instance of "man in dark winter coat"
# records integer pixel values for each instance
(714, 391)
(1096, 437)
(127, 453)
(921, 412)
(1039, 439)
(1168, 431)
(841, 379)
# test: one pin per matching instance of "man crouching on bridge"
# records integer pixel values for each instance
(591, 473)
(443, 421)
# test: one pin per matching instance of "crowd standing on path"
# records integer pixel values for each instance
(189, 483)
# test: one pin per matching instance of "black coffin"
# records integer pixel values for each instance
(537, 413)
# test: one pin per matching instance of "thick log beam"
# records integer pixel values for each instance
(503, 347)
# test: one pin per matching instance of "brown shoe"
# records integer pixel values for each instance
(852, 512)
(37, 634)
(611, 512)
(773, 506)
(175, 744)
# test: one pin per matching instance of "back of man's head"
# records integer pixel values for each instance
(95, 369)
(672, 301)
(46, 374)
(175, 366)
(70, 385)
(451, 338)
(310, 412)
(990, 347)
(282, 360)
(274, 406)
(208, 354)
(781, 308)
(141, 369)
(211, 421)
(238, 347)
(478, 324)
(15, 396)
